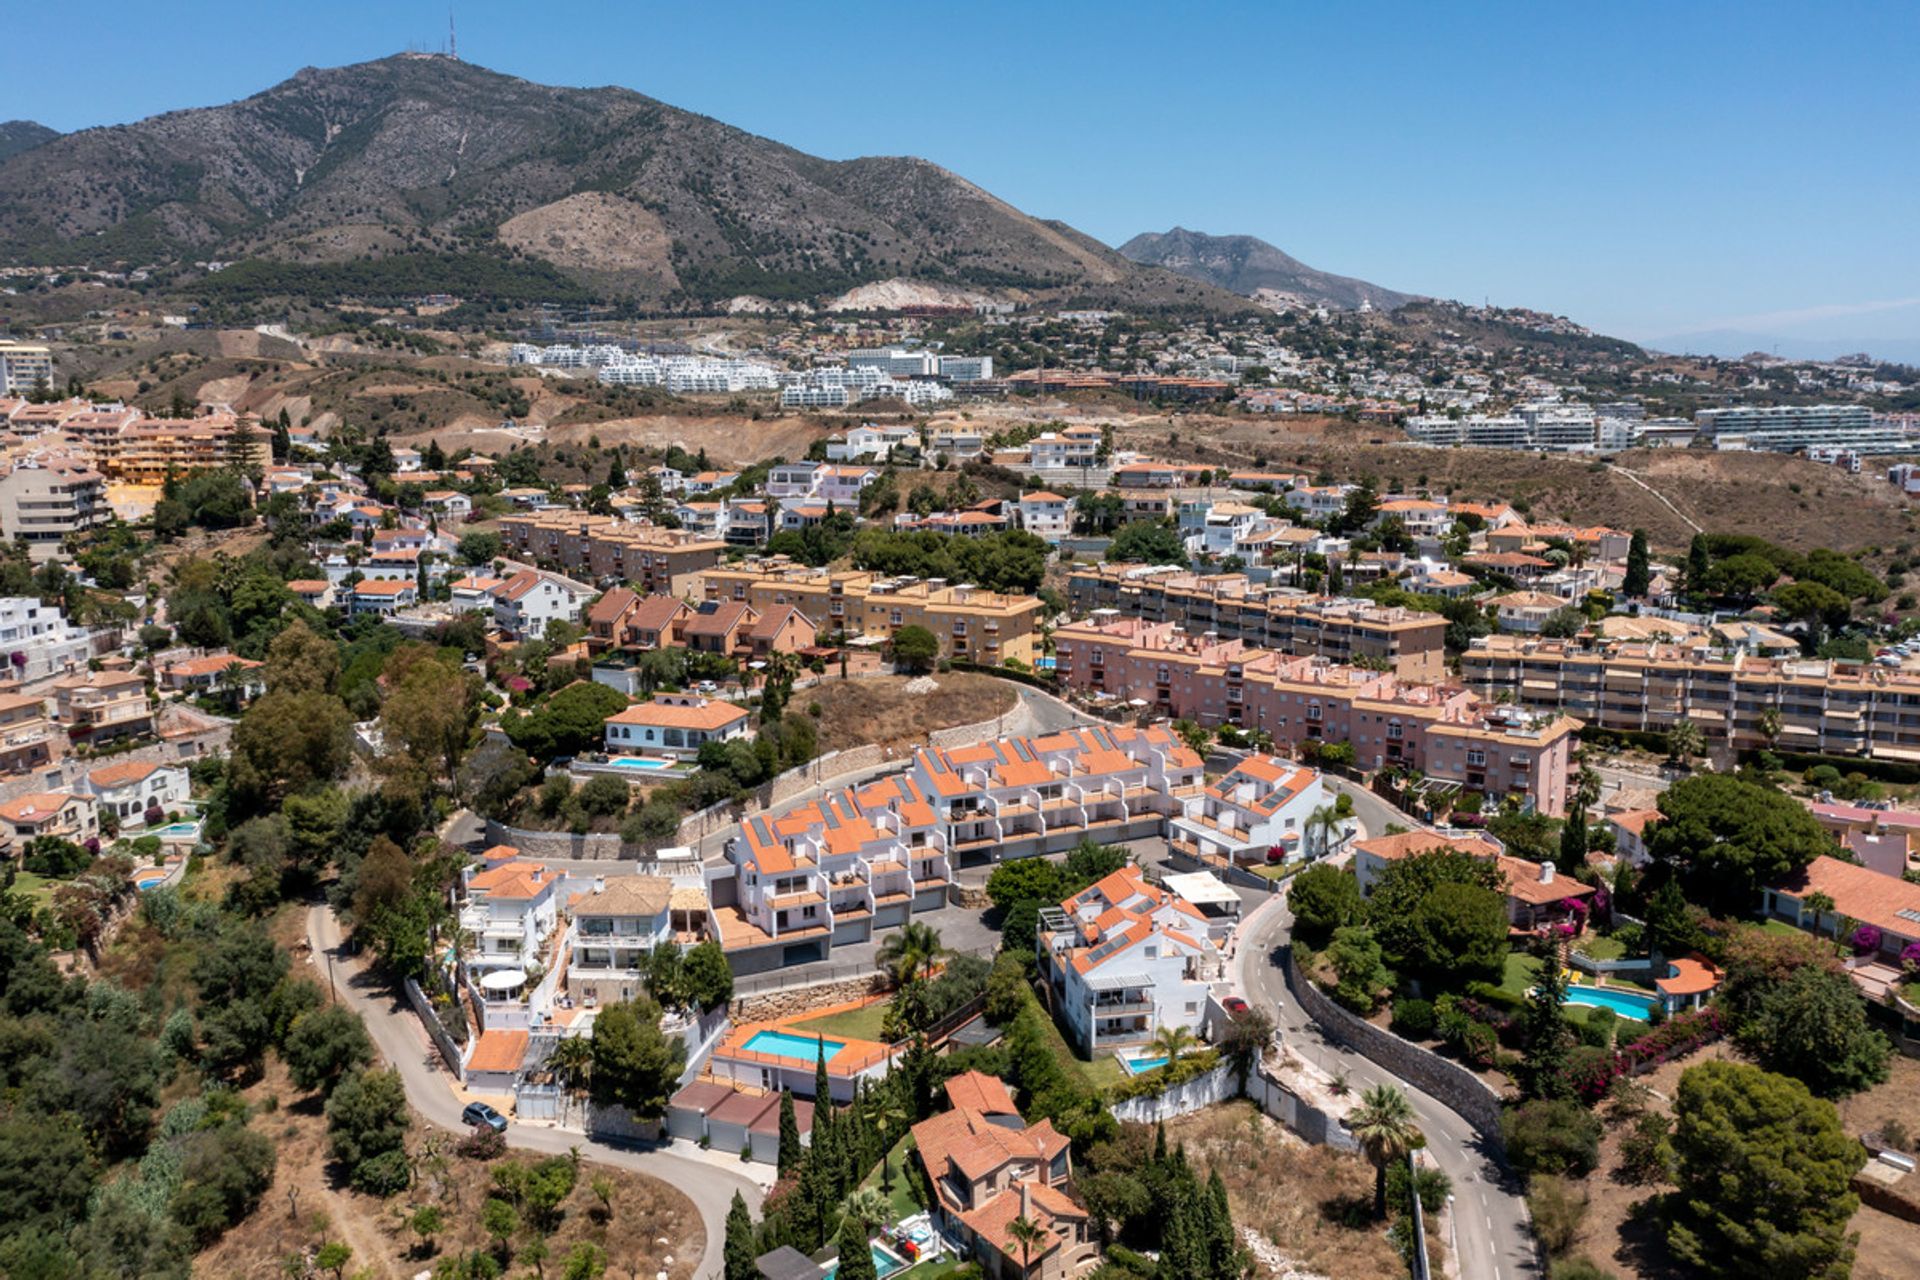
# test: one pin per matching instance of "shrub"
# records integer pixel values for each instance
(1646, 1153)
(483, 1143)
(1413, 1018)
(1598, 1029)
(1552, 1137)
(1579, 1268)
(1557, 1208)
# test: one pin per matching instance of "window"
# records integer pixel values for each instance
(1476, 757)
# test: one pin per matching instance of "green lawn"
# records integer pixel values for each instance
(859, 1024)
(1273, 870)
(1522, 969)
(901, 1203)
(1601, 948)
(36, 887)
(1104, 1073)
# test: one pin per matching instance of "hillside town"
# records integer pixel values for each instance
(1239, 705)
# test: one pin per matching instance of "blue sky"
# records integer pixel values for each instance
(1649, 169)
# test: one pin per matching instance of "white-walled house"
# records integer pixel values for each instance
(130, 789)
(1047, 516)
(1126, 958)
(511, 910)
(675, 724)
(525, 603)
(1261, 806)
(615, 924)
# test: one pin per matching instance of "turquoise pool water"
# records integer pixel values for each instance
(1140, 1066)
(636, 762)
(785, 1044)
(148, 879)
(1628, 1004)
(176, 829)
(884, 1263)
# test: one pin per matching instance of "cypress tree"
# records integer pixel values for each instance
(1223, 1246)
(740, 1245)
(616, 473)
(1638, 577)
(856, 1259)
(790, 1152)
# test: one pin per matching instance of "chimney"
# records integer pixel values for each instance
(599, 884)
(1546, 873)
(1026, 1201)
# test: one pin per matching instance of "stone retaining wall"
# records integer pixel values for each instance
(794, 1001)
(1453, 1085)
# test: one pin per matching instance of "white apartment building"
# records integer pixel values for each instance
(1790, 428)
(895, 362)
(38, 641)
(966, 368)
(24, 368)
(1074, 447)
(44, 501)
(870, 442)
(1126, 958)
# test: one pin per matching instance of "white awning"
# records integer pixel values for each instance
(1201, 889)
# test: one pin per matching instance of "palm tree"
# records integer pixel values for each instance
(1685, 741)
(1323, 821)
(1586, 787)
(1818, 905)
(1026, 1233)
(911, 952)
(1171, 1043)
(867, 1206)
(235, 675)
(1383, 1125)
(571, 1063)
(1770, 726)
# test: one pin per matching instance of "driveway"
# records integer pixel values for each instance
(403, 1042)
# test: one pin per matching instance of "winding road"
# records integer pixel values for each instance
(403, 1042)
(1492, 1236)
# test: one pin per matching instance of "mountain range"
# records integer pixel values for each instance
(413, 161)
(19, 135)
(1255, 269)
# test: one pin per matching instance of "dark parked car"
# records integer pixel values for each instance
(479, 1113)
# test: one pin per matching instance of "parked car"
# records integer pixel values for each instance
(1235, 1007)
(479, 1113)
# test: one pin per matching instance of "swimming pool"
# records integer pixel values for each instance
(176, 830)
(1140, 1066)
(639, 762)
(787, 1044)
(1628, 1004)
(146, 880)
(884, 1262)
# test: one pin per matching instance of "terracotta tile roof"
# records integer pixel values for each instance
(498, 1051)
(1408, 843)
(674, 715)
(119, 775)
(626, 896)
(1523, 882)
(977, 1091)
(35, 807)
(1860, 893)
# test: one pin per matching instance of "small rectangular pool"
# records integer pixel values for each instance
(884, 1262)
(1628, 1004)
(640, 763)
(1140, 1066)
(175, 830)
(788, 1044)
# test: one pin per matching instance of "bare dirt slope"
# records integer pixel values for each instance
(1789, 500)
(879, 709)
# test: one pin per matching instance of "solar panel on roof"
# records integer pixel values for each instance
(1908, 913)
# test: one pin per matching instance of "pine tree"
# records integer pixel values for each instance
(740, 1243)
(790, 1152)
